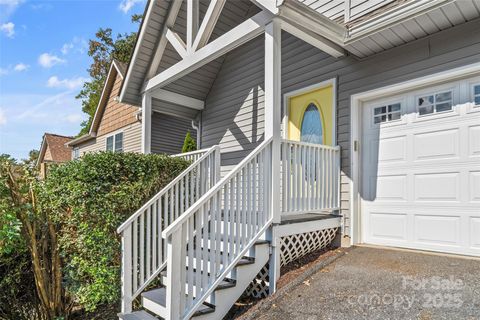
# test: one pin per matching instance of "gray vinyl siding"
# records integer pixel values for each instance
(234, 113)
(234, 110)
(132, 140)
(304, 65)
(168, 133)
(174, 109)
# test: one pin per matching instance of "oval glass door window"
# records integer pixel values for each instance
(312, 129)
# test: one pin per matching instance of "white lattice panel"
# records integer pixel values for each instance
(298, 245)
(292, 248)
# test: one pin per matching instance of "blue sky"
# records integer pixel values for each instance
(44, 62)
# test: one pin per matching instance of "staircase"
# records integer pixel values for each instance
(203, 239)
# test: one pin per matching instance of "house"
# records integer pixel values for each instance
(117, 126)
(53, 150)
(318, 120)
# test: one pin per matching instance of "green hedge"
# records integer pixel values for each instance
(89, 198)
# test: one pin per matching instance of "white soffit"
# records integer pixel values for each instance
(440, 18)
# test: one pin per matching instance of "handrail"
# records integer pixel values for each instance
(217, 231)
(143, 250)
(190, 152)
(207, 152)
(309, 144)
(178, 222)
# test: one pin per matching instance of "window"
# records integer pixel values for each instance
(115, 142)
(75, 153)
(439, 102)
(387, 113)
(311, 129)
(476, 94)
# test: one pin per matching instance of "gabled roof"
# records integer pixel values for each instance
(56, 144)
(116, 68)
(146, 62)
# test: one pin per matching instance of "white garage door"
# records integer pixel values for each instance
(421, 169)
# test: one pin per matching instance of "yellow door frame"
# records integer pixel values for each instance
(329, 124)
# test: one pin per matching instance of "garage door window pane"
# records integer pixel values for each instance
(439, 102)
(476, 94)
(386, 113)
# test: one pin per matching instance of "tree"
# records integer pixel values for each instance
(103, 49)
(189, 144)
(24, 222)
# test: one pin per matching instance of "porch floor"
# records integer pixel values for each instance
(307, 217)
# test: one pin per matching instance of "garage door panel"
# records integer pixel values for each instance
(438, 230)
(437, 187)
(388, 226)
(421, 176)
(389, 188)
(474, 233)
(474, 184)
(441, 144)
(474, 141)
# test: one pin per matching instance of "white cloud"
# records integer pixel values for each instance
(73, 83)
(21, 67)
(3, 72)
(126, 5)
(77, 44)
(8, 28)
(30, 115)
(66, 48)
(47, 60)
(3, 117)
(7, 8)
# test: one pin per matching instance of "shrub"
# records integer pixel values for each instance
(89, 198)
(189, 144)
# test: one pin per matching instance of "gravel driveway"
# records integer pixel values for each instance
(371, 283)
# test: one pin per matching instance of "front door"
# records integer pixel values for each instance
(311, 115)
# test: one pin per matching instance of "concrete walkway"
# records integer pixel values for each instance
(371, 283)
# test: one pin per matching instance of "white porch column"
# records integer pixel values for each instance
(272, 87)
(146, 123)
(273, 107)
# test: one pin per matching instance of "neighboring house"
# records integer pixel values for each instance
(117, 126)
(53, 150)
(355, 117)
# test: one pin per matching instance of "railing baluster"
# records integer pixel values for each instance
(148, 240)
(142, 248)
(135, 255)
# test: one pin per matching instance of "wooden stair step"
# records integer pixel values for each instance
(137, 315)
(225, 284)
(159, 296)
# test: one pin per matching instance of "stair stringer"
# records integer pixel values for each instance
(244, 274)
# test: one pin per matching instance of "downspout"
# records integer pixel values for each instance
(197, 128)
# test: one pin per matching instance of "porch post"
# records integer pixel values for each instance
(272, 87)
(146, 123)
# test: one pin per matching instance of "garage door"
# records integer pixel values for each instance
(421, 169)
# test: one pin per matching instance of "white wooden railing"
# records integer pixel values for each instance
(235, 212)
(192, 155)
(143, 249)
(310, 177)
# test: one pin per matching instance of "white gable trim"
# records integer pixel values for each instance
(177, 98)
(177, 43)
(206, 28)
(103, 98)
(242, 33)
